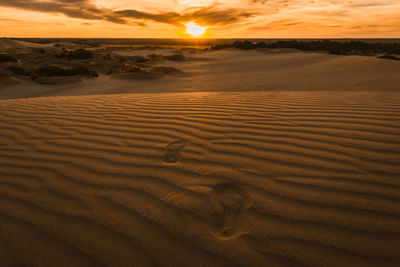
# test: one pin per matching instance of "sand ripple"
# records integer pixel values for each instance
(201, 179)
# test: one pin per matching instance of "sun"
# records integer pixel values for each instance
(194, 29)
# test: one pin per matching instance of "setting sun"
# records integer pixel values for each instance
(194, 29)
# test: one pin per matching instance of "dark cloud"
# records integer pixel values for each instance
(328, 13)
(10, 20)
(366, 4)
(168, 17)
(278, 24)
(207, 15)
(84, 9)
(215, 16)
(277, 2)
(260, 1)
(71, 8)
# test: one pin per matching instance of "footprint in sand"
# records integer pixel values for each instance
(173, 152)
(229, 201)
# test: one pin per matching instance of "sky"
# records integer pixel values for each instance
(223, 18)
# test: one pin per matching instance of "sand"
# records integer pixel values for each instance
(9, 44)
(227, 70)
(201, 179)
(246, 158)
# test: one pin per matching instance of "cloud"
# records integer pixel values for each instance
(246, 17)
(84, 9)
(278, 24)
(71, 8)
(206, 15)
(10, 20)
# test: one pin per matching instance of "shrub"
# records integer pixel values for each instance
(18, 71)
(166, 70)
(154, 56)
(175, 57)
(49, 71)
(135, 69)
(221, 46)
(140, 59)
(333, 47)
(389, 57)
(7, 58)
(77, 54)
(244, 45)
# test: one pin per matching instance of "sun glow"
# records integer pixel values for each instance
(194, 29)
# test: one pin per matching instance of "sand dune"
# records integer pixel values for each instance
(7, 44)
(229, 70)
(201, 179)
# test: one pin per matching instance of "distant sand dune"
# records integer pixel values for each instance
(6, 44)
(227, 70)
(201, 179)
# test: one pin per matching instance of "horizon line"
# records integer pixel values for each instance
(217, 38)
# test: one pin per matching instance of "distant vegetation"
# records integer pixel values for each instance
(166, 70)
(49, 71)
(7, 58)
(18, 71)
(333, 47)
(174, 57)
(389, 57)
(76, 54)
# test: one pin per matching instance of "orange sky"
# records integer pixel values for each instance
(225, 19)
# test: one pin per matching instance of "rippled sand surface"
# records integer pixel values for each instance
(201, 179)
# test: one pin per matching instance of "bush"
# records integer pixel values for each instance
(389, 57)
(244, 45)
(135, 69)
(7, 58)
(175, 57)
(77, 54)
(49, 71)
(18, 71)
(221, 46)
(333, 47)
(154, 56)
(140, 59)
(166, 70)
